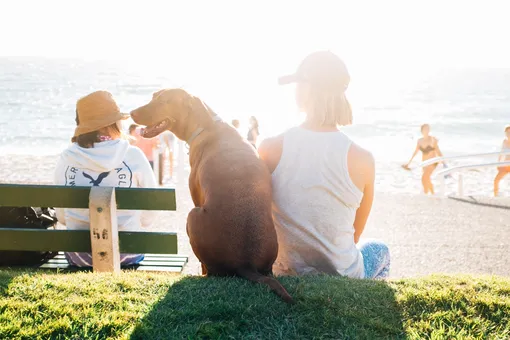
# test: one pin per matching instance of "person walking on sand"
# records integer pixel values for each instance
(323, 183)
(147, 145)
(429, 147)
(132, 131)
(503, 170)
(101, 156)
(253, 132)
(166, 142)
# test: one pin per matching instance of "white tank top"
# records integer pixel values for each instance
(314, 206)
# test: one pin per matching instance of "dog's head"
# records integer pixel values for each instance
(174, 110)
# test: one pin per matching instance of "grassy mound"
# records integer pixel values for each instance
(160, 306)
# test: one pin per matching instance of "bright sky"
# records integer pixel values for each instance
(374, 33)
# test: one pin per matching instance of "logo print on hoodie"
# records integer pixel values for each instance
(117, 177)
(96, 182)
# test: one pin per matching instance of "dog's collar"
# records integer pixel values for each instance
(199, 130)
(194, 135)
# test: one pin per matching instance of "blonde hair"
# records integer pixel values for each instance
(328, 108)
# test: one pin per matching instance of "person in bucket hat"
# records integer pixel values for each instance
(100, 156)
(323, 183)
(96, 111)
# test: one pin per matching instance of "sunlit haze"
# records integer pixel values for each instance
(268, 34)
(231, 52)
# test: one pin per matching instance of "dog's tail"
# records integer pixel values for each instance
(274, 285)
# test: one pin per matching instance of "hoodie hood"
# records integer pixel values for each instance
(104, 156)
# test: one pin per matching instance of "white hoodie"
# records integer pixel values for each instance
(110, 164)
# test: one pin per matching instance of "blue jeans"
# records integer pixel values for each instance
(376, 258)
(85, 259)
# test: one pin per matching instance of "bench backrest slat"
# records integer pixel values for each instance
(13, 195)
(79, 241)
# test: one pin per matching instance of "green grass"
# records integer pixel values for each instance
(158, 306)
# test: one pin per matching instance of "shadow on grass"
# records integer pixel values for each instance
(474, 201)
(6, 276)
(326, 308)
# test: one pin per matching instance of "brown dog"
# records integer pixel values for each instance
(231, 228)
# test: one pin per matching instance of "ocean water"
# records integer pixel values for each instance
(466, 108)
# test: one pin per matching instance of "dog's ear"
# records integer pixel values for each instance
(201, 111)
(199, 104)
(156, 94)
(193, 103)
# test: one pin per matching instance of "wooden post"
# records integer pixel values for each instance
(104, 233)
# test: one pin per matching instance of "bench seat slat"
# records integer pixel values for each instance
(173, 263)
(144, 263)
(159, 269)
(163, 264)
(154, 256)
(57, 261)
(148, 257)
(58, 266)
(15, 195)
(66, 267)
(79, 241)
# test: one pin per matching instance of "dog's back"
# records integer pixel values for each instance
(236, 189)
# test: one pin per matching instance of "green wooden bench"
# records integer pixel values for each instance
(103, 239)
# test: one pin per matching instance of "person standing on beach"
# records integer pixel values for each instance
(132, 131)
(503, 170)
(166, 142)
(323, 183)
(429, 147)
(147, 145)
(253, 132)
(101, 156)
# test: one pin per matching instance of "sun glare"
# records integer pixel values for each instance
(232, 50)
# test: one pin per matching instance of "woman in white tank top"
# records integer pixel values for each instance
(323, 184)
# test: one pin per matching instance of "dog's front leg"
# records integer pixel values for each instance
(204, 269)
(196, 196)
(195, 190)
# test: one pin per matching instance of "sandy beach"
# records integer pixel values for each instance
(425, 234)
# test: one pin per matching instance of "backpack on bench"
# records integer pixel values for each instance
(26, 218)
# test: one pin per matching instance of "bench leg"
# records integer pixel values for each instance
(104, 233)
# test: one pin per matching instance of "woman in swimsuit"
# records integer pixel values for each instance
(429, 149)
(503, 170)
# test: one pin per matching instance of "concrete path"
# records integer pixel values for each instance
(425, 234)
(443, 235)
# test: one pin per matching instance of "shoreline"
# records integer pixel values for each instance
(390, 178)
(425, 234)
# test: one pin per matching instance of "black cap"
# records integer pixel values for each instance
(322, 68)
